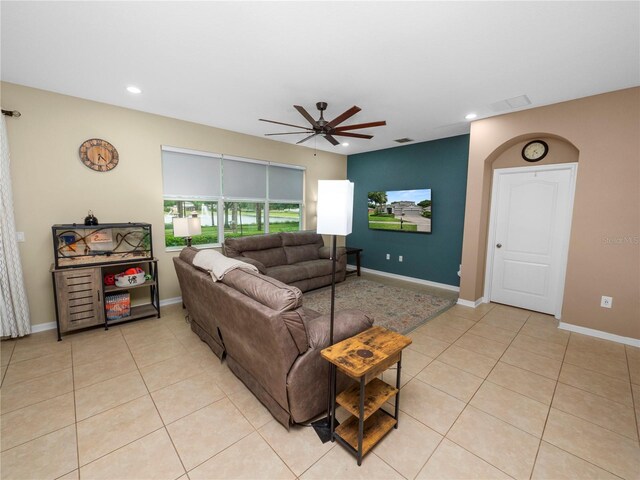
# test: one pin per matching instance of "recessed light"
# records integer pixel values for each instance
(133, 89)
(471, 116)
(345, 144)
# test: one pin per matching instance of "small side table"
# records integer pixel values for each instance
(362, 358)
(356, 252)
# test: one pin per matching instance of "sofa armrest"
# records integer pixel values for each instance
(259, 265)
(325, 252)
(347, 323)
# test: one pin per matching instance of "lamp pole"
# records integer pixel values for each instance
(335, 211)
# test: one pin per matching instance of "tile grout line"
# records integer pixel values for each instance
(465, 407)
(546, 420)
(164, 425)
(75, 413)
(633, 398)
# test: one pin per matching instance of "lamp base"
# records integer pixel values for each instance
(323, 428)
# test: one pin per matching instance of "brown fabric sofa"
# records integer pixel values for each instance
(271, 342)
(299, 259)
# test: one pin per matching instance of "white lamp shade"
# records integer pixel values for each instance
(335, 207)
(186, 227)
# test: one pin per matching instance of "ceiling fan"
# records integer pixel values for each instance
(328, 130)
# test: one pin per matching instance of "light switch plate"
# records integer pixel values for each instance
(20, 236)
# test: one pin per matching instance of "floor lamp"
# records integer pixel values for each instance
(334, 217)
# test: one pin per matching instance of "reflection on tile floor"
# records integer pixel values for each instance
(492, 392)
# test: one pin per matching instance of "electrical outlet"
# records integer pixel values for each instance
(388, 256)
(20, 236)
(606, 302)
(400, 258)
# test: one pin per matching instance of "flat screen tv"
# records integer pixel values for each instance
(400, 210)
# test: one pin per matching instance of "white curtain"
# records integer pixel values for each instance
(14, 309)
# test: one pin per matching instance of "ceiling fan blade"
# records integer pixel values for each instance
(286, 133)
(331, 140)
(361, 125)
(354, 135)
(341, 118)
(280, 123)
(306, 115)
(306, 138)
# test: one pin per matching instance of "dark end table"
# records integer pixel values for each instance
(356, 252)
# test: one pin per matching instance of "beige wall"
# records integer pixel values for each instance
(51, 185)
(604, 250)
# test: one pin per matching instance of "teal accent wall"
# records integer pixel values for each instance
(440, 165)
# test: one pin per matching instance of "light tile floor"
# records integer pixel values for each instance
(492, 392)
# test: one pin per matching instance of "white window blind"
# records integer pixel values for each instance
(285, 184)
(190, 175)
(244, 180)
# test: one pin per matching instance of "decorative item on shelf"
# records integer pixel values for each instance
(335, 215)
(130, 277)
(90, 219)
(186, 227)
(118, 306)
(109, 279)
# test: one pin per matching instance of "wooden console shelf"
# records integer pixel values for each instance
(362, 358)
(376, 393)
(376, 427)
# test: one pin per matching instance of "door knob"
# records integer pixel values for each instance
(499, 245)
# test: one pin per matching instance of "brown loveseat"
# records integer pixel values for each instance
(299, 259)
(271, 342)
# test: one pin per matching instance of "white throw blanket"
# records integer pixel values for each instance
(218, 265)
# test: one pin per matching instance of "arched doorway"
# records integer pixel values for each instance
(529, 225)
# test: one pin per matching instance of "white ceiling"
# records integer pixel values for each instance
(421, 66)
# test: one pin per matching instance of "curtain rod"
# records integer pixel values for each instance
(11, 113)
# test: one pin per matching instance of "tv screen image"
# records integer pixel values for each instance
(400, 210)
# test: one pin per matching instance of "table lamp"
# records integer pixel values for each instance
(186, 227)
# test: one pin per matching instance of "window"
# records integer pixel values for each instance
(242, 219)
(285, 217)
(206, 211)
(232, 196)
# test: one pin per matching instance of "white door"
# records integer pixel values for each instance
(530, 227)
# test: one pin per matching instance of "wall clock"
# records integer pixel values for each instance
(535, 151)
(98, 155)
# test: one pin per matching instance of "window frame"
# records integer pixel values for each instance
(221, 199)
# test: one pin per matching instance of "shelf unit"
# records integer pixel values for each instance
(363, 358)
(83, 256)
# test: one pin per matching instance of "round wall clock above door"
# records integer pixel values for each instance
(535, 151)
(98, 155)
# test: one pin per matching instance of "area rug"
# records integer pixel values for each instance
(395, 308)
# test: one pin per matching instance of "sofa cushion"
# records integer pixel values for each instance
(287, 273)
(268, 257)
(235, 246)
(317, 268)
(301, 238)
(266, 290)
(301, 253)
(259, 265)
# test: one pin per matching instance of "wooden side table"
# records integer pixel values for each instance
(362, 358)
(356, 252)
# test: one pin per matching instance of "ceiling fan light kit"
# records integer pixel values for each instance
(329, 130)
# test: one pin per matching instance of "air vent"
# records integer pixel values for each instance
(511, 103)
(403, 140)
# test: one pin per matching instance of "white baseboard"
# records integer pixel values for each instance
(420, 281)
(634, 342)
(469, 303)
(42, 327)
(170, 301)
